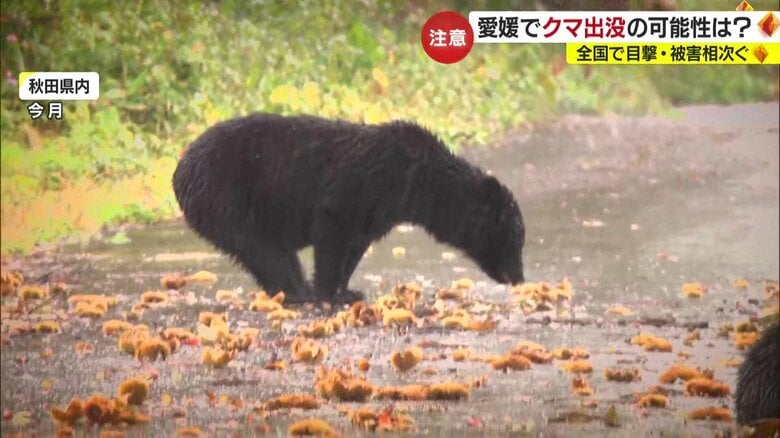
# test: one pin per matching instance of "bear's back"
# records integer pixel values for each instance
(281, 161)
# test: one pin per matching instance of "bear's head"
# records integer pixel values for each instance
(501, 253)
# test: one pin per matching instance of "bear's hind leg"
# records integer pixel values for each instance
(330, 243)
(329, 261)
(276, 270)
(354, 255)
(301, 291)
(334, 263)
(335, 256)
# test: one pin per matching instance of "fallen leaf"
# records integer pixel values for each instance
(407, 359)
(710, 413)
(312, 426)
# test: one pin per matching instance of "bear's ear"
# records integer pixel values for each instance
(491, 188)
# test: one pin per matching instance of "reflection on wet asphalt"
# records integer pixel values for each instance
(627, 208)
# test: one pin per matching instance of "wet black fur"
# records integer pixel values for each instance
(264, 186)
(758, 382)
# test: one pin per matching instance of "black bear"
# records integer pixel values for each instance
(263, 186)
(758, 381)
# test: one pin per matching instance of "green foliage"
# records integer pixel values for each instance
(169, 69)
(119, 238)
(721, 84)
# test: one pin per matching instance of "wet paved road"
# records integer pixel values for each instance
(627, 208)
